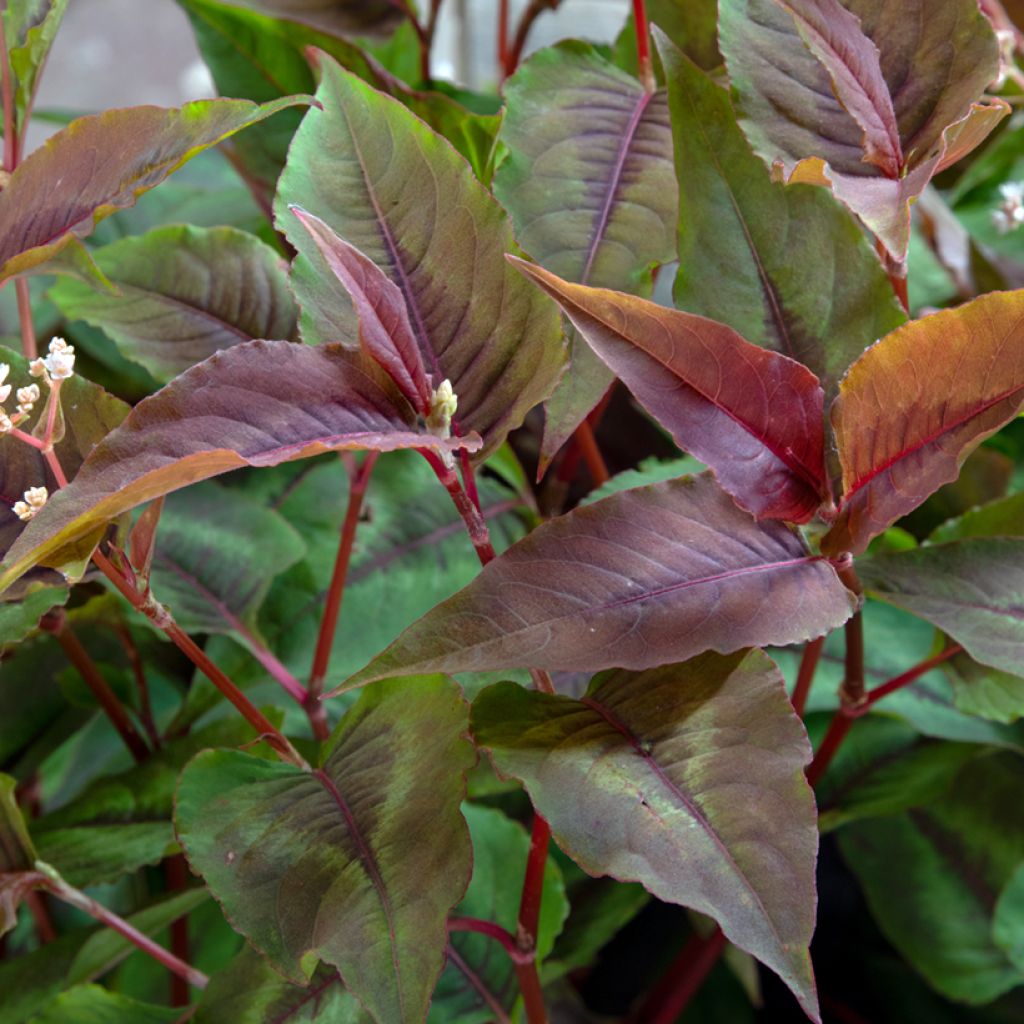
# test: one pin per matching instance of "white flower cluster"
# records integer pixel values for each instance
(27, 398)
(1009, 214)
(58, 365)
(35, 499)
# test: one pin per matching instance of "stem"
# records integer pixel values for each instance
(533, 11)
(138, 671)
(529, 905)
(79, 657)
(41, 916)
(176, 874)
(643, 45)
(805, 676)
(847, 714)
(475, 523)
(491, 930)
(162, 619)
(897, 273)
(852, 689)
(680, 983)
(502, 37)
(358, 482)
(10, 129)
(592, 454)
(98, 912)
(28, 334)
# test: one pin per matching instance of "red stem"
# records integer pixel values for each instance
(592, 454)
(680, 983)
(805, 676)
(847, 714)
(502, 36)
(79, 657)
(358, 482)
(491, 930)
(643, 45)
(533, 11)
(139, 672)
(160, 618)
(98, 912)
(533, 882)
(10, 129)
(28, 336)
(176, 873)
(475, 523)
(41, 916)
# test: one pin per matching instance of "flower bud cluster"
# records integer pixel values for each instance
(58, 365)
(35, 499)
(1009, 214)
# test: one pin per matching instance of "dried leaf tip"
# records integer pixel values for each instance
(35, 499)
(1009, 214)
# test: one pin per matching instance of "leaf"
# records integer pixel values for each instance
(960, 852)
(687, 778)
(250, 991)
(328, 864)
(823, 92)
(184, 293)
(29, 30)
(261, 57)
(105, 948)
(692, 27)
(1008, 922)
(1002, 518)
(642, 578)
(764, 258)
(217, 553)
(650, 471)
(971, 589)
(102, 163)
(755, 417)
(384, 329)
(342, 17)
(915, 405)
(98, 1006)
(18, 619)
(397, 192)
(89, 413)
(500, 851)
(589, 184)
(259, 403)
(16, 850)
(984, 691)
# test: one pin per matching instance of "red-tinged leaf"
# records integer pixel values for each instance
(852, 61)
(102, 163)
(30, 26)
(384, 327)
(812, 101)
(589, 183)
(644, 577)
(182, 293)
(764, 257)
(338, 17)
(687, 778)
(972, 589)
(357, 863)
(398, 192)
(755, 417)
(916, 404)
(256, 404)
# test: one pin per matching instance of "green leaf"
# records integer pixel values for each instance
(754, 416)
(884, 767)
(971, 589)
(650, 471)
(259, 403)
(250, 991)
(687, 778)
(18, 619)
(16, 850)
(98, 1006)
(89, 413)
(959, 853)
(500, 851)
(29, 30)
(341, 17)
(100, 164)
(254, 55)
(1002, 518)
(184, 293)
(822, 91)
(396, 191)
(105, 948)
(915, 405)
(762, 257)
(589, 183)
(985, 691)
(638, 579)
(369, 847)
(1008, 922)
(217, 553)
(692, 26)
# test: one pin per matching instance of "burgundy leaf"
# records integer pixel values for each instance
(754, 416)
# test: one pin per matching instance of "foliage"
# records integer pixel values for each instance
(315, 581)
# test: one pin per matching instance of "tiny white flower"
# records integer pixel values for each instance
(36, 497)
(5, 389)
(60, 363)
(27, 398)
(23, 512)
(6, 426)
(1009, 214)
(443, 403)
(37, 368)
